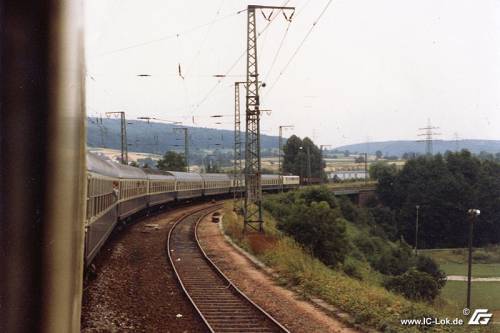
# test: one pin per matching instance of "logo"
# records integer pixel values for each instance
(480, 317)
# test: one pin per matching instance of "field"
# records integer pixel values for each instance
(485, 263)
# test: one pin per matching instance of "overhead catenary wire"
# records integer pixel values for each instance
(277, 52)
(209, 93)
(169, 36)
(205, 39)
(289, 19)
(294, 54)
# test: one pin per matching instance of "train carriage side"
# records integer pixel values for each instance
(133, 188)
(187, 184)
(161, 187)
(102, 199)
(216, 183)
(290, 182)
(271, 182)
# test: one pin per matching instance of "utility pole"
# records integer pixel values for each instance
(321, 161)
(366, 168)
(473, 213)
(253, 186)
(186, 145)
(280, 150)
(123, 135)
(416, 231)
(308, 150)
(428, 137)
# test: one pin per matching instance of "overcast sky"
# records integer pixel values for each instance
(370, 69)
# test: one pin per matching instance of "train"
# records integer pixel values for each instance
(116, 192)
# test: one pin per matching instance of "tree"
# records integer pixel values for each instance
(359, 159)
(172, 161)
(298, 154)
(378, 154)
(319, 228)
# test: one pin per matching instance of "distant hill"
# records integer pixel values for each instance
(155, 137)
(398, 148)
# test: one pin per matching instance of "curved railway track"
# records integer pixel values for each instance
(221, 305)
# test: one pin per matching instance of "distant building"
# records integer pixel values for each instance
(346, 175)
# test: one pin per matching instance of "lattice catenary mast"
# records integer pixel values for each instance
(253, 186)
(186, 144)
(238, 165)
(123, 135)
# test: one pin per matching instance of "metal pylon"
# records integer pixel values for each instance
(123, 135)
(237, 148)
(253, 186)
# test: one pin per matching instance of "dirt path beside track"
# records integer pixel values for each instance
(284, 305)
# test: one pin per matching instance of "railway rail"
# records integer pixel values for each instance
(221, 305)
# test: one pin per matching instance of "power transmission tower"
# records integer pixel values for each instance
(457, 144)
(253, 186)
(321, 161)
(280, 150)
(428, 137)
(123, 135)
(186, 145)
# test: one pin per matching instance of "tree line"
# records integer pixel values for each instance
(444, 187)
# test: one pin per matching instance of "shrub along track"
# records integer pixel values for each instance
(221, 305)
(135, 288)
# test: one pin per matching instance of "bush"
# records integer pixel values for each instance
(429, 266)
(481, 256)
(371, 247)
(351, 268)
(318, 194)
(349, 211)
(396, 261)
(320, 229)
(414, 285)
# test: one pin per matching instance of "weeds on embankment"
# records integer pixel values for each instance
(367, 304)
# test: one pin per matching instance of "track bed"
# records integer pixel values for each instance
(222, 306)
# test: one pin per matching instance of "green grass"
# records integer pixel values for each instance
(485, 263)
(478, 270)
(483, 294)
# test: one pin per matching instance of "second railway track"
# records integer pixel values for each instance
(222, 306)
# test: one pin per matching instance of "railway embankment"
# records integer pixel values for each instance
(359, 302)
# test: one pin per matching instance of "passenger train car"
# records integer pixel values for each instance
(115, 192)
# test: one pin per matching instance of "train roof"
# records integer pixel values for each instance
(270, 176)
(101, 165)
(186, 176)
(215, 177)
(157, 174)
(129, 172)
